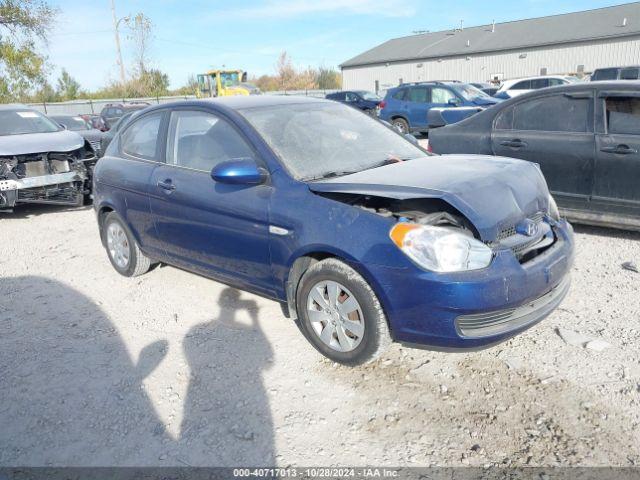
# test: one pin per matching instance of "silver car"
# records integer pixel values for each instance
(41, 162)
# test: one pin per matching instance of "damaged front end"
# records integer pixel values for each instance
(61, 178)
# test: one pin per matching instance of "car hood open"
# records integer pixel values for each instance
(491, 192)
(25, 144)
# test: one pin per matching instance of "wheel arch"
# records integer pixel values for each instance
(301, 263)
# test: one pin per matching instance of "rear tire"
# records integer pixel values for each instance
(123, 250)
(401, 124)
(348, 326)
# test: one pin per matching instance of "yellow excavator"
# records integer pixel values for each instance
(224, 83)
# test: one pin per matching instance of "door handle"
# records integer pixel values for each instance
(166, 185)
(620, 150)
(515, 143)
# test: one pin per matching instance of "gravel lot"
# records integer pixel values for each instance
(175, 369)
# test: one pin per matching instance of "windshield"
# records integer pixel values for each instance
(370, 96)
(317, 140)
(18, 122)
(72, 123)
(230, 79)
(469, 92)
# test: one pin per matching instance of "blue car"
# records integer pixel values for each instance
(407, 106)
(361, 99)
(362, 236)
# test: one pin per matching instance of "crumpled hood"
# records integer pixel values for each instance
(492, 192)
(62, 141)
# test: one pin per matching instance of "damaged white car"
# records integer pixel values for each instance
(41, 162)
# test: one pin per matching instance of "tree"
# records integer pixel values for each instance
(22, 23)
(285, 73)
(154, 83)
(328, 79)
(140, 34)
(68, 88)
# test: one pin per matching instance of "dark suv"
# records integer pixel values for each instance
(407, 106)
(616, 73)
(112, 112)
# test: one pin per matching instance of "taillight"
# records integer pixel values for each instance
(382, 104)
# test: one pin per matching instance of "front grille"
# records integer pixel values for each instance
(510, 230)
(502, 321)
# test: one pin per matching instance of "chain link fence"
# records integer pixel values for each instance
(81, 107)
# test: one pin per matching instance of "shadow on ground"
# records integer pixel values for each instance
(70, 393)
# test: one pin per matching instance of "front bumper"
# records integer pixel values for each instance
(473, 310)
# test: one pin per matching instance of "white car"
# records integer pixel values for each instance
(518, 86)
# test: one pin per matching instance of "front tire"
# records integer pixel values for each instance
(340, 314)
(123, 250)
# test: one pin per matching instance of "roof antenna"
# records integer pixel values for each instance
(493, 26)
(624, 22)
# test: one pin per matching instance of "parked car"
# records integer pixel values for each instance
(585, 137)
(362, 100)
(616, 73)
(519, 86)
(112, 112)
(407, 106)
(41, 162)
(108, 136)
(96, 122)
(308, 202)
(78, 124)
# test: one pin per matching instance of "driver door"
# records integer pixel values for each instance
(220, 230)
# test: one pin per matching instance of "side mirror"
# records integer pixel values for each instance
(241, 171)
(454, 102)
(412, 139)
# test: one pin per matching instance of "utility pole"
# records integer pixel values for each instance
(119, 52)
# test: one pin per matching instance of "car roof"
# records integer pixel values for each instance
(239, 102)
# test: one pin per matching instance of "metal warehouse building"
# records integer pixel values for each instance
(573, 43)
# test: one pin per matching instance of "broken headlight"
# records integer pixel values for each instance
(553, 211)
(440, 249)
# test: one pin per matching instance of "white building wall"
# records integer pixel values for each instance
(513, 64)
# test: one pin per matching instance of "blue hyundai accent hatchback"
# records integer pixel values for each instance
(361, 236)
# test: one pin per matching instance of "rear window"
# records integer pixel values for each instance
(623, 115)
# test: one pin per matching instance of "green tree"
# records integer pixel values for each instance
(328, 79)
(22, 24)
(154, 83)
(68, 88)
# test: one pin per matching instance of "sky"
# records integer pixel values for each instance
(191, 36)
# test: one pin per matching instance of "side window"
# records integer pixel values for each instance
(417, 95)
(201, 140)
(629, 74)
(504, 120)
(605, 74)
(400, 94)
(539, 83)
(441, 95)
(556, 113)
(351, 97)
(524, 85)
(554, 82)
(623, 115)
(141, 138)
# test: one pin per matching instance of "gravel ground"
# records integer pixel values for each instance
(175, 369)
